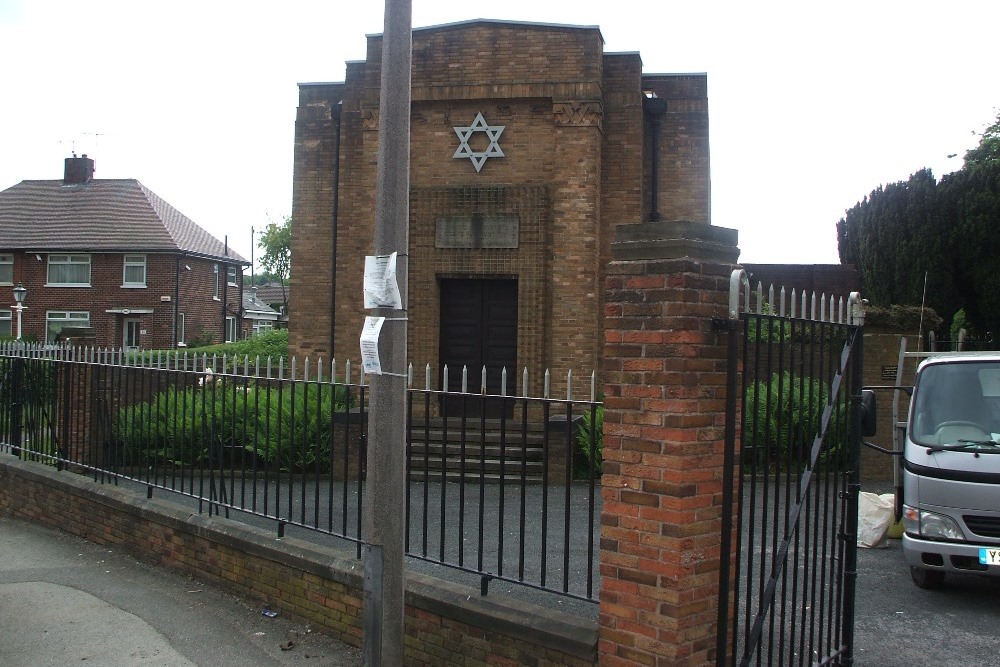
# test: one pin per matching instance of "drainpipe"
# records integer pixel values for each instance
(655, 107)
(177, 293)
(336, 113)
(224, 277)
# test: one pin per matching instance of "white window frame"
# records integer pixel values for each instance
(68, 317)
(6, 269)
(231, 328)
(261, 326)
(6, 323)
(180, 330)
(216, 287)
(67, 260)
(131, 262)
(232, 272)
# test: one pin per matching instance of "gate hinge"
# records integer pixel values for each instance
(725, 324)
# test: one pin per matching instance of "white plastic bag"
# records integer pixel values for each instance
(874, 518)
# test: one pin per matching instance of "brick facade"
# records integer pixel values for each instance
(174, 284)
(577, 163)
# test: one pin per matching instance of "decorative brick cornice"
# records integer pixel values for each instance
(578, 113)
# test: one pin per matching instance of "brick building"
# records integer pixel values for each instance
(115, 263)
(531, 149)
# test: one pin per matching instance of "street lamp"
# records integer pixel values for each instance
(19, 293)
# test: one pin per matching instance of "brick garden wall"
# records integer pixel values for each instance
(446, 624)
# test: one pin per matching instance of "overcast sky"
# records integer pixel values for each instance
(811, 105)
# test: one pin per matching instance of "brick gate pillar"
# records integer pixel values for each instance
(665, 386)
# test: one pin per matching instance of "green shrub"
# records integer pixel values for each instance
(273, 344)
(590, 443)
(290, 427)
(783, 415)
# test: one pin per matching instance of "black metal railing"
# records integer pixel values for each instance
(511, 498)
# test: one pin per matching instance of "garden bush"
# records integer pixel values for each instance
(783, 414)
(289, 427)
(590, 443)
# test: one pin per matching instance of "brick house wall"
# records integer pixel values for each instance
(168, 282)
(576, 165)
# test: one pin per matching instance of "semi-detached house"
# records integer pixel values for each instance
(108, 262)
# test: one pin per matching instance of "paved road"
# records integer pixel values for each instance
(64, 601)
(899, 624)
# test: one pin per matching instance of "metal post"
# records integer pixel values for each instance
(382, 643)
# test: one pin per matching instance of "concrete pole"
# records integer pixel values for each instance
(384, 501)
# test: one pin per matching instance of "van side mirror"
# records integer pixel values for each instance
(869, 416)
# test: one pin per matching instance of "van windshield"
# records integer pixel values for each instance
(957, 404)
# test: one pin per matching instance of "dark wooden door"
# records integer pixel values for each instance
(479, 328)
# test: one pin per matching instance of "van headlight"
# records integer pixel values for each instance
(930, 525)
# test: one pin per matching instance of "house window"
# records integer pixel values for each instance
(6, 269)
(69, 271)
(260, 326)
(180, 328)
(230, 329)
(57, 320)
(216, 288)
(5, 319)
(231, 276)
(135, 271)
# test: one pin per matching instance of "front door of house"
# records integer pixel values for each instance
(479, 328)
(131, 331)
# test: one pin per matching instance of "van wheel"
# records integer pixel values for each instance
(929, 580)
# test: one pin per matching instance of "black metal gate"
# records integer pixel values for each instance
(790, 500)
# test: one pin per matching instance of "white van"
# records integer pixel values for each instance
(950, 468)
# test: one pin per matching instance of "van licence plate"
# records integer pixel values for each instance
(989, 556)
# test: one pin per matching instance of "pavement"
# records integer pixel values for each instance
(66, 601)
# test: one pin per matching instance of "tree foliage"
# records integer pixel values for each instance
(276, 242)
(948, 230)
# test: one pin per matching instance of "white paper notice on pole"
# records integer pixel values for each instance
(381, 290)
(369, 345)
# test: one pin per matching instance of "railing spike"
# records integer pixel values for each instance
(427, 377)
(465, 379)
(569, 385)
(781, 305)
(409, 375)
(545, 390)
(503, 381)
(524, 382)
(482, 381)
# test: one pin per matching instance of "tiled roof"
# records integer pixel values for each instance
(103, 215)
(252, 303)
(271, 293)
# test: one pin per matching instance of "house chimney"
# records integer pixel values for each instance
(78, 170)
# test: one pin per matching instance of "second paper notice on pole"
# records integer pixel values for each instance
(369, 345)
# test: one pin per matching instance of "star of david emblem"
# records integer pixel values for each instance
(493, 133)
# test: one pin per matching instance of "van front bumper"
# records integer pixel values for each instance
(947, 556)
